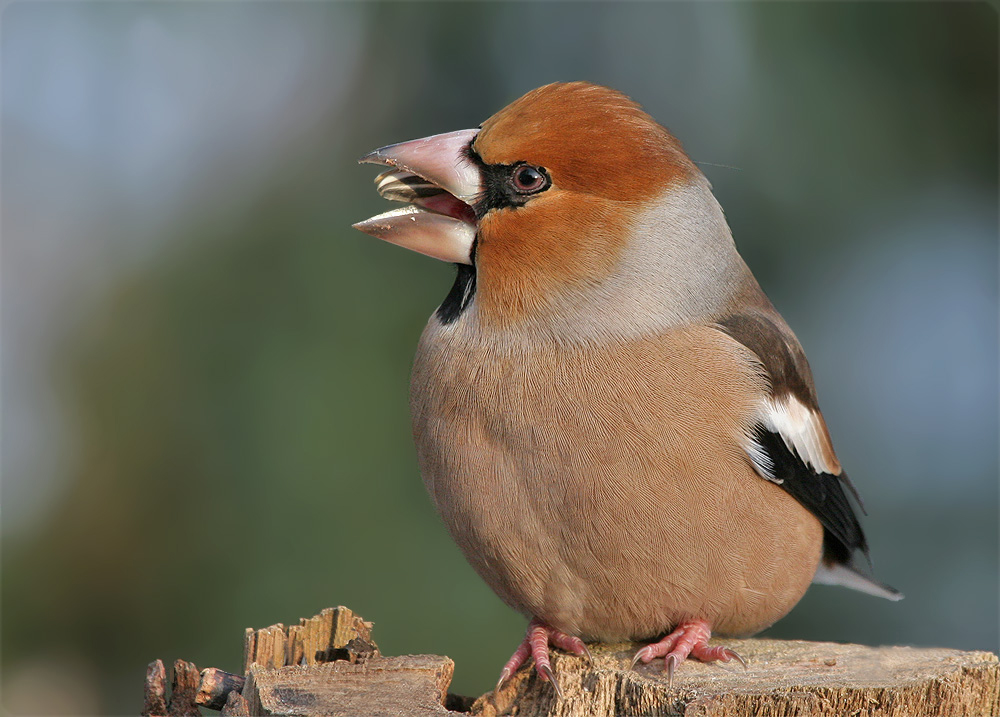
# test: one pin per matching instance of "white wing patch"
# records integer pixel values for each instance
(762, 462)
(802, 429)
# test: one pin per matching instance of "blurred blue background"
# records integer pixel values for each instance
(204, 368)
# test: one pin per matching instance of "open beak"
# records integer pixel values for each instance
(438, 181)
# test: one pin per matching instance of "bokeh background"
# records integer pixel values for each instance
(204, 368)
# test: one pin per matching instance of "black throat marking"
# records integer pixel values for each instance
(461, 294)
(497, 194)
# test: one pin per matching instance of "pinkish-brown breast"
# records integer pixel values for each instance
(606, 492)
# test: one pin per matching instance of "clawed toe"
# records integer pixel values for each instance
(669, 665)
(643, 655)
(688, 639)
(546, 672)
(734, 655)
(536, 645)
(504, 676)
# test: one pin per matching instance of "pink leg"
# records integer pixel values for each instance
(536, 645)
(690, 638)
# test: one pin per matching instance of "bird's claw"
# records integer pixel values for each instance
(535, 645)
(504, 676)
(688, 639)
(640, 656)
(546, 672)
(734, 655)
(669, 665)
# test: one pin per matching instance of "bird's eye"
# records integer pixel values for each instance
(529, 180)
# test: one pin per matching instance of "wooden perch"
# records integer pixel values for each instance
(329, 666)
(411, 685)
(156, 689)
(322, 638)
(215, 687)
(783, 678)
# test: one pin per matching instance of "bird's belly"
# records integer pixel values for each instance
(603, 501)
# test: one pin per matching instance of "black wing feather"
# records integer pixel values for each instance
(821, 493)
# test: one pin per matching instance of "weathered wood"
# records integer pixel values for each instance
(155, 703)
(328, 665)
(215, 686)
(236, 706)
(356, 650)
(784, 678)
(313, 640)
(387, 686)
(183, 690)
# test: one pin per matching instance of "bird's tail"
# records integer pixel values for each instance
(840, 574)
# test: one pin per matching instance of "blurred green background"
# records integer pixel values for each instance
(204, 368)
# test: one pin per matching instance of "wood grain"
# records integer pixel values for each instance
(412, 685)
(784, 678)
(315, 639)
(328, 666)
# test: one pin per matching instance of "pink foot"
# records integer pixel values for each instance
(689, 638)
(536, 645)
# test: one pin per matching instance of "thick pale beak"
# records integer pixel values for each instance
(436, 177)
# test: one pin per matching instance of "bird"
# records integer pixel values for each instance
(617, 427)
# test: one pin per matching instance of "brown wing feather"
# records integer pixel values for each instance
(770, 338)
(793, 434)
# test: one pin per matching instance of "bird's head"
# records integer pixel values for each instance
(570, 211)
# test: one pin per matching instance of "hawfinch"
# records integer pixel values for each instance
(617, 427)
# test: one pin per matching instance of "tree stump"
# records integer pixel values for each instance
(782, 678)
(328, 666)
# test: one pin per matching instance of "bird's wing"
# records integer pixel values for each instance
(790, 446)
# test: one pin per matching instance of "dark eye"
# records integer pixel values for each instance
(529, 180)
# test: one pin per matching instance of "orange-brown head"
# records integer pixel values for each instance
(596, 140)
(570, 204)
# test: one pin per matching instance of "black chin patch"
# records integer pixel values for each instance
(460, 296)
